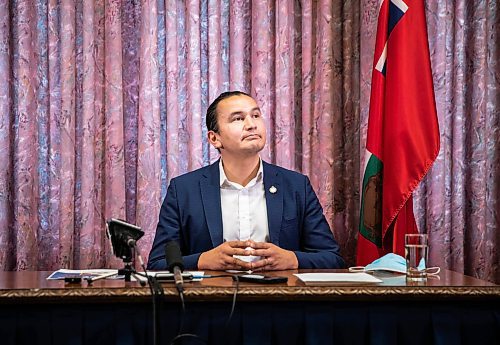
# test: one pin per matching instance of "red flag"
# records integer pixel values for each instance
(403, 133)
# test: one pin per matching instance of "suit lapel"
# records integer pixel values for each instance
(210, 194)
(274, 201)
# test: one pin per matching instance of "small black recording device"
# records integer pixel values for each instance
(76, 279)
(169, 277)
(260, 279)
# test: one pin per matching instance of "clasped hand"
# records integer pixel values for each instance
(272, 257)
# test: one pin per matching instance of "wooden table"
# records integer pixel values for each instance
(28, 287)
(447, 309)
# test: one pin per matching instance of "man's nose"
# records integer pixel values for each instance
(250, 123)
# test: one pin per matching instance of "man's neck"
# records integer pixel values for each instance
(241, 170)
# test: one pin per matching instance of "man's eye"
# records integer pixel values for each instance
(237, 118)
(255, 116)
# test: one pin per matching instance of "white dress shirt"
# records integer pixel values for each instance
(244, 212)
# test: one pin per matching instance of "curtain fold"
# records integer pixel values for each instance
(24, 137)
(7, 253)
(103, 102)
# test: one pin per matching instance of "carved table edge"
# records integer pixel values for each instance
(249, 292)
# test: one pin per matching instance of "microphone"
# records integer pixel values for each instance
(175, 265)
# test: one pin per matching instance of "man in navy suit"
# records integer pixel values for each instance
(240, 212)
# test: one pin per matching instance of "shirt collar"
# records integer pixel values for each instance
(224, 182)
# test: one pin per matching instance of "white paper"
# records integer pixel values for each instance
(337, 278)
(89, 273)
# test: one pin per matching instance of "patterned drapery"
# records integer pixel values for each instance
(102, 102)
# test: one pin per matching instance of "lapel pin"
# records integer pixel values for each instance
(273, 190)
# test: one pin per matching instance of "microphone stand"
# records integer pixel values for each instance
(128, 270)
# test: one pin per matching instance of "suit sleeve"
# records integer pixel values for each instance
(318, 246)
(169, 228)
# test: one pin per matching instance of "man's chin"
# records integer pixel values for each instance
(254, 148)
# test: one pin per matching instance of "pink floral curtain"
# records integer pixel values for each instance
(102, 102)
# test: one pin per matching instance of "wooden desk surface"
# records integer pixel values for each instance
(32, 287)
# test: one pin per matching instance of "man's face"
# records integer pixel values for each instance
(242, 131)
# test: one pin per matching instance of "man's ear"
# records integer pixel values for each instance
(213, 139)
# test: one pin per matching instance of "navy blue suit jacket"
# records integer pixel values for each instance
(191, 215)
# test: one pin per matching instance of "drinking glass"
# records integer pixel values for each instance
(416, 254)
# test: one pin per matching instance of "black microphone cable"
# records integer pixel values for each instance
(173, 257)
(234, 300)
(153, 288)
(157, 293)
(175, 263)
(181, 335)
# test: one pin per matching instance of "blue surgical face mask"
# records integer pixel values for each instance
(389, 262)
(393, 263)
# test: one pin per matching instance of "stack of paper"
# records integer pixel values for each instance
(337, 278)
(84, 274)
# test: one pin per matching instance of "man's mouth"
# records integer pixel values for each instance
(251, 136)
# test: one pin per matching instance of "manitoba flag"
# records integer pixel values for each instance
(403, 134)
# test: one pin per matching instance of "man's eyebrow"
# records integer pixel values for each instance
(240, 112)
(235, 113)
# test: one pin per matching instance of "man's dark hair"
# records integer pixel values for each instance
(211, 119)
